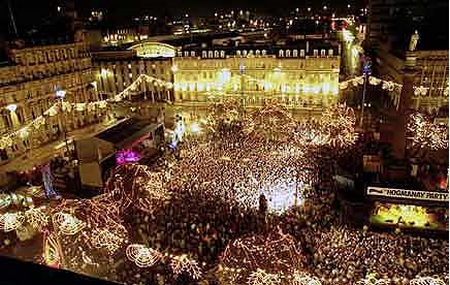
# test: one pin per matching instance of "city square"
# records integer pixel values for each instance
(234, 148)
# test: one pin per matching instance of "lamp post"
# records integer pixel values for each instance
(60, 95)
(367, 64)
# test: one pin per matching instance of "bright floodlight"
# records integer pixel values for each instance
(11, 107)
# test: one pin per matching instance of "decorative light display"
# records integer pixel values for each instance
(273, 121)
(107, 240)
(11, 221)
(143, 256)
(37, 218)
(67, 224)
(127, 156)
(274, 253)
(372, 280)
(137, 186)
(427, 281)
(426, 134)
(301, 278)
(359, 80)
(261, 277)
(52, 251)
(183, 264)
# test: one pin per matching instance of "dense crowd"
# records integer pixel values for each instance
(225, 186)
(205, 214)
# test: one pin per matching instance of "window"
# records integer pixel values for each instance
(281, 53)
(322, 52)
(330, 52)
(316, 52)
(295, 53)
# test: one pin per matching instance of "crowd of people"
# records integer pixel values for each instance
(225, 185)
(205, 214)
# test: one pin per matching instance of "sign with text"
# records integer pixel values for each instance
(407, 194)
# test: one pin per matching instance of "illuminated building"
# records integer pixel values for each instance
(430, 78)
(28, 86)
(115, 70)
(119, 36)
(391, 26)
(299, 75)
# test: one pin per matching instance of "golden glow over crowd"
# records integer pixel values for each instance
(235, 156)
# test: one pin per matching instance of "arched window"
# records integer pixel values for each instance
(288, 53)
(258, 53)
(216, 53)
(222, 53)
(210, 54)
(330, 52)
(204, 54)
(192, 53)
(281, 53)
(295, 53)
(238, 53)
(302, 53)
(264, 52)
(316, 52)
(244, 53)
(322, 52)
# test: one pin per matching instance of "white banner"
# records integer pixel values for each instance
(408, 194)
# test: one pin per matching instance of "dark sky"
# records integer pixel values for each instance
(34, 12)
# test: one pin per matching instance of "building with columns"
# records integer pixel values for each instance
(115, 70)
(27, 90)
(409, 34)
(431, 78)
(304, 74)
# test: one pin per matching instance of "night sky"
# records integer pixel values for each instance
(29, 13)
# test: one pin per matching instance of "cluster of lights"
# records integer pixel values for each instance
(37, 218)
(107, 240)
(420, 280)
(145, 257)
(275, 253)
(11, 221)
(134, 185)
(183, 264)
(141, 79)
(260, 277)
(359, 80)
(426, 134)
(67, 224)
(36, 124)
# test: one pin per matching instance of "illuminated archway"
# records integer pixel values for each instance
(153, 49)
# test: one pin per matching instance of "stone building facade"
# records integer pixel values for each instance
(431, 77)
(28, 86)
(300, 75)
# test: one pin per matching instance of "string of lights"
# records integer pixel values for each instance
(425, 134)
